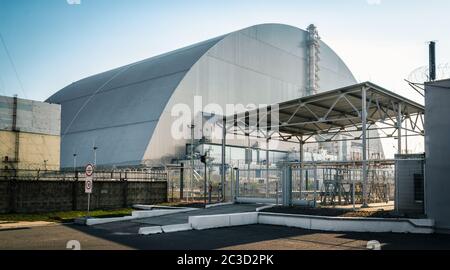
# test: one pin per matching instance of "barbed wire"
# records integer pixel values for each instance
(421, 74)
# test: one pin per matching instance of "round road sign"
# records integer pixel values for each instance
(89, 170)
(88, 185)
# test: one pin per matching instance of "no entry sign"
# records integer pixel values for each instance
(89, 170)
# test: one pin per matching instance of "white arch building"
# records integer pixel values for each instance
(126, 112)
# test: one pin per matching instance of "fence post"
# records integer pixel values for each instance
(75, 192)
(237, 183)
(315, 185)
(125, 192)
(12, 195)
(182, 182)
(287, 184)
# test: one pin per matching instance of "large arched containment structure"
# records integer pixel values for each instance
(126, 112)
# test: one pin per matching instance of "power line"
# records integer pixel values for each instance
(2, 90)
(13, 65)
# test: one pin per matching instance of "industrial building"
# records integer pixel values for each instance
(126, 113)
(437, 146)
(29, 134)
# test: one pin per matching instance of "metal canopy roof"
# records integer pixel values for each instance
(332, 113)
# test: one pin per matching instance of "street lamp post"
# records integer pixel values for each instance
(95, 155)
(74, 162)
(203, 159)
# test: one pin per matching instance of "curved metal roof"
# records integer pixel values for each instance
(133, 95)
(119, 110)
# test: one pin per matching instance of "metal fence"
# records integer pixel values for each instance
(259, 183)
(323, 183)
(112, 175)
(342, 185)
(185, 183)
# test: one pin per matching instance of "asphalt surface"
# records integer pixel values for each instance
(123, 236)
(253, 237)
(132, 227)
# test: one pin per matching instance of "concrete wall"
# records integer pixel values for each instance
(33, 150)
(437, 147)
(32, 116)
(48, 196)
(38, 124)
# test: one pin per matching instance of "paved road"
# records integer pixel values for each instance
(254, 237)
(132, 227)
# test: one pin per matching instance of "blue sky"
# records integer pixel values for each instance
(53, 43)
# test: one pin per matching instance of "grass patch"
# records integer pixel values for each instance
(64, 217)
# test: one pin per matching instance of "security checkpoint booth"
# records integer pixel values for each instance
(363, 113)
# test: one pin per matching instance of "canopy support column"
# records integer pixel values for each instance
(364, 146)
(302, 154)
(399, 127)
(224, 138)
(267, 167)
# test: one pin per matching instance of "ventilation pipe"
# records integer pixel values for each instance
(432, 68)
(313, 60)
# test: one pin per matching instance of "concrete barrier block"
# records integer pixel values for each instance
(98, 221)
(323, 225)
(209, 222)
(298, 222)
(219, 204)
(348, 224)
(243, 219)
(176, 228)
(151, 213)
(150, 230)
(161, 212)
(271, 220)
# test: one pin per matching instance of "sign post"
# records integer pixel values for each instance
(89, 173)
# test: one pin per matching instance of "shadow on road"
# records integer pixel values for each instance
(261, 237)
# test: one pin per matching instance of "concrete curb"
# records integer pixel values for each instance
(159, 207)
(341, 224)
(164, 229)
(218, 204)
(134, 215)
(177, 228)
(157, 213)
(219, 221)
(150, 230)
(259, 209)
